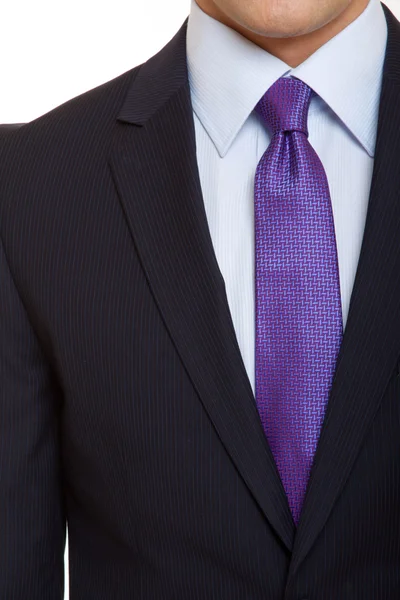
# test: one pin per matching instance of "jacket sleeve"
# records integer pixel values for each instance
(32, 525)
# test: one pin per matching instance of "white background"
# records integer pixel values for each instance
(53, 50)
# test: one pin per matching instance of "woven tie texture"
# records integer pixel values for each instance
(298, 307)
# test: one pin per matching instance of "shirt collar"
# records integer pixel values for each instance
(228, 75)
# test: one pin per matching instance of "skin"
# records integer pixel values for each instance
(291, 30)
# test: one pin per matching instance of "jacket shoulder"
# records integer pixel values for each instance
(74, 124)
(56, 158)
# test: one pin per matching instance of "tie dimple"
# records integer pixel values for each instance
(298, 306)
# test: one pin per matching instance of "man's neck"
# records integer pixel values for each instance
(291, 50)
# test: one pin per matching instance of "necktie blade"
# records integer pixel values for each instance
(298, 307)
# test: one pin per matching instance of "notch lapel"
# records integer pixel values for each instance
(371, 342)
(155, 171)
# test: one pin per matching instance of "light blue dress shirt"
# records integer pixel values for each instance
(228, 75)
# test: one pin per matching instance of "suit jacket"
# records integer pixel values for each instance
(125, 407)
(9, 128)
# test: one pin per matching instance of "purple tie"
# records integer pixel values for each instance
(298, 308)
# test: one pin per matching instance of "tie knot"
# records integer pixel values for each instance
(284, 107)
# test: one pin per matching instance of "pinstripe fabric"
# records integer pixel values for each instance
(125, 406)
(6, 130)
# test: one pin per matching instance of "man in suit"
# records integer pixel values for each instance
(200, 318)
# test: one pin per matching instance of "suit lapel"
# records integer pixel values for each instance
(155, 170)
(371, 343)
